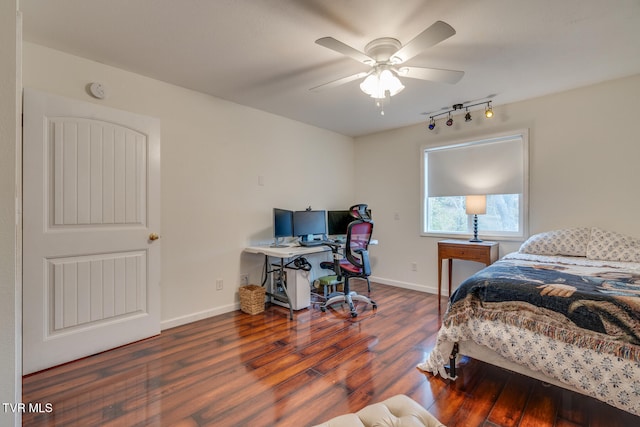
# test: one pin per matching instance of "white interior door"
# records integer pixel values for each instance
(91, 203)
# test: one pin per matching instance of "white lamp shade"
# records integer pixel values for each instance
(390, 82)
(476, 205)
(371, 86)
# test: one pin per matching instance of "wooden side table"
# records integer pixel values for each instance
(484, 252)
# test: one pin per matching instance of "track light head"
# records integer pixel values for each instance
(450, 120)
(488, 112)
(432, 124)
(467, 117)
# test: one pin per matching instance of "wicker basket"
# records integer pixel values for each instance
(252, 299)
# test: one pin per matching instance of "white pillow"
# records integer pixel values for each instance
(568, 241)
(611, 246)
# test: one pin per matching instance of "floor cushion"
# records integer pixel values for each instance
(397, 411)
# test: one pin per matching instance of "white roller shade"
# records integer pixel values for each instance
(488, 167)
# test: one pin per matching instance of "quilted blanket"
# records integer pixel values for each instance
(577, 296)
(570, 309)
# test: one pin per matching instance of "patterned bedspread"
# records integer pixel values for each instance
(573, 319)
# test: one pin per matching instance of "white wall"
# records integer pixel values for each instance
(10, 295)
(584, 153)
(213, 152)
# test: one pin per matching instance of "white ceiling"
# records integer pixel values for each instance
(262, 53)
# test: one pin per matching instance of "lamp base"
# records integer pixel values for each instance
(475, 230)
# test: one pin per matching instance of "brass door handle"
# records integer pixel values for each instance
(153, 236)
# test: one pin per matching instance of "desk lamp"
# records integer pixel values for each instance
(476, 205)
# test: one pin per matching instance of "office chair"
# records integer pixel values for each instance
(359, 211)
(354, 264)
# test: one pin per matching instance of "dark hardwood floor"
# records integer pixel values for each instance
(265, 370)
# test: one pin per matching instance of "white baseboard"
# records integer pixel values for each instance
(406, 285)
(183, 320)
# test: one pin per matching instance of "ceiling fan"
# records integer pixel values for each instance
(385, 56)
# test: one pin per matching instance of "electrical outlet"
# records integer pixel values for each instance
(414, 266)
(244, 279)
(219, 284)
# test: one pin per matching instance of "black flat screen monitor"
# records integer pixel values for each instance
(282, 223)
(338, 221)
(309, 223)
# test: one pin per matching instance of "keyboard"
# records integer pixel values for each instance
(311, 243)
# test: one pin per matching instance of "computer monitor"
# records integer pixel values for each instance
(307, 224)
(282, 225)
(338, 221)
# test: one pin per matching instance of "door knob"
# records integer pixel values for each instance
(153, 236)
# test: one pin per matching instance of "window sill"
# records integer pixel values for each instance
(465, 236)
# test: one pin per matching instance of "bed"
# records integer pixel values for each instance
(564, 309)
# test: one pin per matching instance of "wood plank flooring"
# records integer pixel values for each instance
(266, 370)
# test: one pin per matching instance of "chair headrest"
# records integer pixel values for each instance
(360, 211)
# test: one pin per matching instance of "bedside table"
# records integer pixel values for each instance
(484, 252)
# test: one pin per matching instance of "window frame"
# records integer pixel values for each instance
(523, 134)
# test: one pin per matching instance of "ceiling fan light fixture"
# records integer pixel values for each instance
(377, 85)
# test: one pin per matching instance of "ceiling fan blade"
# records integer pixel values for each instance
(338, 46)
(340, 81)
(433, 35)
(432, 74)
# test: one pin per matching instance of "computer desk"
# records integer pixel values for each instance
(284, 253)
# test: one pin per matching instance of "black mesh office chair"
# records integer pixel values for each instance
(355, 262)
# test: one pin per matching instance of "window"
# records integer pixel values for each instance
(496, 166)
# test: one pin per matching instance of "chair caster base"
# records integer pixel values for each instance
(348, 299)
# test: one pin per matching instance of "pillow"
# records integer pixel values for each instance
(569, 242)
(611, 246)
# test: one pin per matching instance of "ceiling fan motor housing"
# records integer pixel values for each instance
(382, 49)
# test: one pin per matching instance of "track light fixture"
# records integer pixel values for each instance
(488, 113)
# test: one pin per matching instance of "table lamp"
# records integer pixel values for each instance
(476, 205)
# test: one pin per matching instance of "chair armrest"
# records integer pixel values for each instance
(335, 252)
(364, 259)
